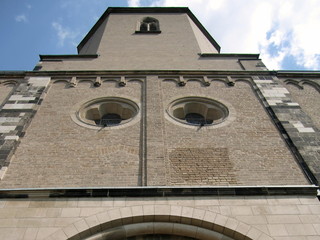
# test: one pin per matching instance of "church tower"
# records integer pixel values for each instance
(149, 132)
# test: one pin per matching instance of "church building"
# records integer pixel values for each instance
(151, 133)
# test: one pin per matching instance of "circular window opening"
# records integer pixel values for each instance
(198, 111)
(197, 119)
(109, 119)
(107, 112)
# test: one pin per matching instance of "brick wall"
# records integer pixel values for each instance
(255, 149)
(56, 152)
(246, 149)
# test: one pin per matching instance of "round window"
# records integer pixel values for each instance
(107, 112)
(198, 111)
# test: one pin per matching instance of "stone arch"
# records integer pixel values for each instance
(293, 83)
(310, 83)
(138, 220)
(9, 83)
(86, 83)
(194, 79)
(219, 81)
(244, 80)
(61, 82)
(140, 80)
(173, 80)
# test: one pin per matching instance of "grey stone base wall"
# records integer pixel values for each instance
(256, 217)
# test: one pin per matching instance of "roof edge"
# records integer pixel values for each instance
(67, 56)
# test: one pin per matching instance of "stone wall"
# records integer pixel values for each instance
(254, 151)
(307, 96)
(4, 91)
(57, 152)
(257, 217)
(16, 113)
(154, 150)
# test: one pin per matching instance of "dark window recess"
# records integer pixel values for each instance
(197, 119)
(149, 25)
(143, 27)
(109, 119)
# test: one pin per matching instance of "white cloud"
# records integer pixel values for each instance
(64, 34)
(21, 18)
(134, 3)
(277, 29)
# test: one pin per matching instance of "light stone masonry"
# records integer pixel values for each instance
(48, 218)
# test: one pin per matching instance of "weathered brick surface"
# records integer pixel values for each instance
(297, 127)
(198, 166)
(56, 152)
(19, 106)
(257, 153)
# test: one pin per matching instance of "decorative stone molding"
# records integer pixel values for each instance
(300, 83)
(137, 220)
(197, 111)
(96, 81)
(205, 80)
(111, 112)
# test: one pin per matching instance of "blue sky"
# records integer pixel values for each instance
(286, 32)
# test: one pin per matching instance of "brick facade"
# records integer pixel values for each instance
(251, 173)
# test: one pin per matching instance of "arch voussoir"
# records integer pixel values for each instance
(135, 220)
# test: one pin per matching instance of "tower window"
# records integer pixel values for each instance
(148, 25)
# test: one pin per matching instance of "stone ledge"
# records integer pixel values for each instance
(310, 190)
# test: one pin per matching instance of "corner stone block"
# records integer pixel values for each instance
(39, 81)
(21, 98)
(19, 106)
(15, 138)
(7, 129)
